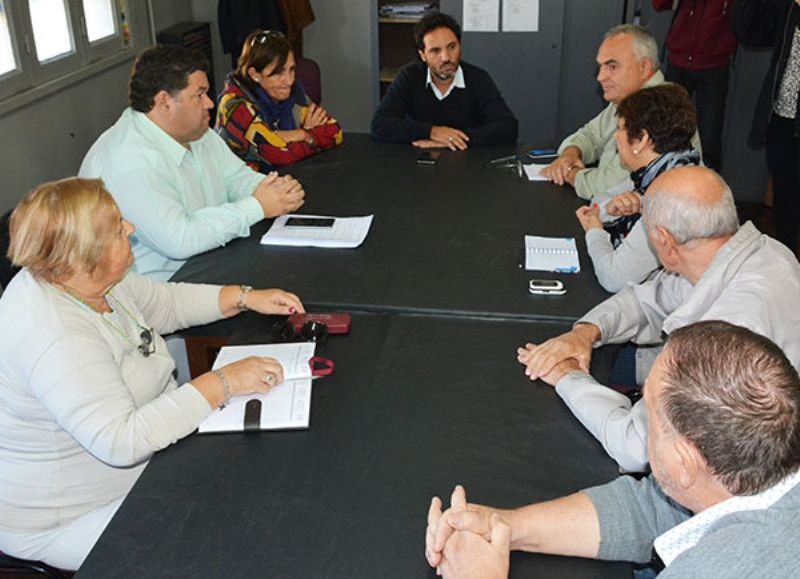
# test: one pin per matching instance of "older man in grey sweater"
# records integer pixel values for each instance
(713, 270)
(724, 496)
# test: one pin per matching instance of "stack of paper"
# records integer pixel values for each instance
(559, 254)
(534, 171)
(406, 9)
(287, 405)
(346, 232)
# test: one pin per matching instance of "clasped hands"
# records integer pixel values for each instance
(279, 195)
(557, 357)
(442, 137)
(467, 541)
(622, 205)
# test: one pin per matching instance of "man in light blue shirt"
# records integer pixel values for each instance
(172, 177)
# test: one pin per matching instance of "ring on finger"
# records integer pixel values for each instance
(269, 378)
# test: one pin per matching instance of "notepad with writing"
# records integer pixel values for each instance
(286, 406)
(558, 254)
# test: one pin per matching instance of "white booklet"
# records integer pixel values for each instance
(559, 254)
(344, 233)
(287, 405)
(534, 171)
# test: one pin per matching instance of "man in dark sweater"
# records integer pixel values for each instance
(441, 101)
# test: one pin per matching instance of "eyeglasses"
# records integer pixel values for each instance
(148, 345)
(263, 36)
(310, 332)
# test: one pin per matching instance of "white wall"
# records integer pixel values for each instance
(342, 41)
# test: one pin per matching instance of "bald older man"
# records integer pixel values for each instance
(724, 496)
(713, 270)
(627, 61)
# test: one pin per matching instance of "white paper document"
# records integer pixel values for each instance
(345, 233)
(559, 254)
(520, 15)
(534, 171)
(288, 405)
(481, 15)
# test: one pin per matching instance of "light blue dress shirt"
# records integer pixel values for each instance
(182, 202)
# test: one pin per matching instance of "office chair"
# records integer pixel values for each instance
(21, 569)
(309, 77)
(7, 270)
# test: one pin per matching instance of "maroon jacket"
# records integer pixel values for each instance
(700, 37)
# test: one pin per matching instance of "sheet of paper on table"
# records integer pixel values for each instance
(534, 171)
(345, 233)
(286, 406)
(557, 254)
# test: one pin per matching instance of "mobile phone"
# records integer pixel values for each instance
(542, 154)
(546, 287)
(428, 157)
(310, 222)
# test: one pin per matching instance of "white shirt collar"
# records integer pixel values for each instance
(458, 82)
(686, 535)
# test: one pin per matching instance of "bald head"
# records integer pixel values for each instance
(691, 203)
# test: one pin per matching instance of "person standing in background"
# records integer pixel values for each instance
(700, 47)
(775, 122)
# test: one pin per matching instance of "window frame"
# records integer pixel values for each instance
(32, 77)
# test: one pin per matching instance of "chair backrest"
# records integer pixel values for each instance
(7, 270)
(21, 569)
(308, 75)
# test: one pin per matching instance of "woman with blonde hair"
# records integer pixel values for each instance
(85, 377)
(263, 113)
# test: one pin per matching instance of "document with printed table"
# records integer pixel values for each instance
(343, 233)
(558, 254)
(286, 406)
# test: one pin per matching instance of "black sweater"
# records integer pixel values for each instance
(410, 109)
(762, 23)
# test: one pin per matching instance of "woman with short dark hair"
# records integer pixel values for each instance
(654, 134)
(263, 113)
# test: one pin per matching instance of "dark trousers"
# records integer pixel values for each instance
(710, 91)
(783, 160)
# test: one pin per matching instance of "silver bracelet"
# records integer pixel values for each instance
(225, 386)
(243, 291)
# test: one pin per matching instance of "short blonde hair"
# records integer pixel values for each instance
(62, 227)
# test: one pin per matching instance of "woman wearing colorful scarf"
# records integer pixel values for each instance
(264, 115)
(654, 133)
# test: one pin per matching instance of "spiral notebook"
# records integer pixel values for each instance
(558, 254)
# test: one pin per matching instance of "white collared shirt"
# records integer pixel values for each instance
(686, 535)
(458, 82)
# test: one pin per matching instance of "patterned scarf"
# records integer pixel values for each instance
(642, 178)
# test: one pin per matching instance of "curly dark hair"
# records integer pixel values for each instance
(162, 67)
(667, 114)
(735, 395)
(431, 22)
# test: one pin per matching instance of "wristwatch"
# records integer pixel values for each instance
(243, 291)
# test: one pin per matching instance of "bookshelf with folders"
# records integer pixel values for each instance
(396, 48)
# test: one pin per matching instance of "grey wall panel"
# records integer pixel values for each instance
(524, 65)
(744, 168)
(342, 41)
(206, 11)
(48, 139)
(586, 22)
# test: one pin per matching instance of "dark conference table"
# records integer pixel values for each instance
(416, 405)
(426, 393)
(446, 239)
